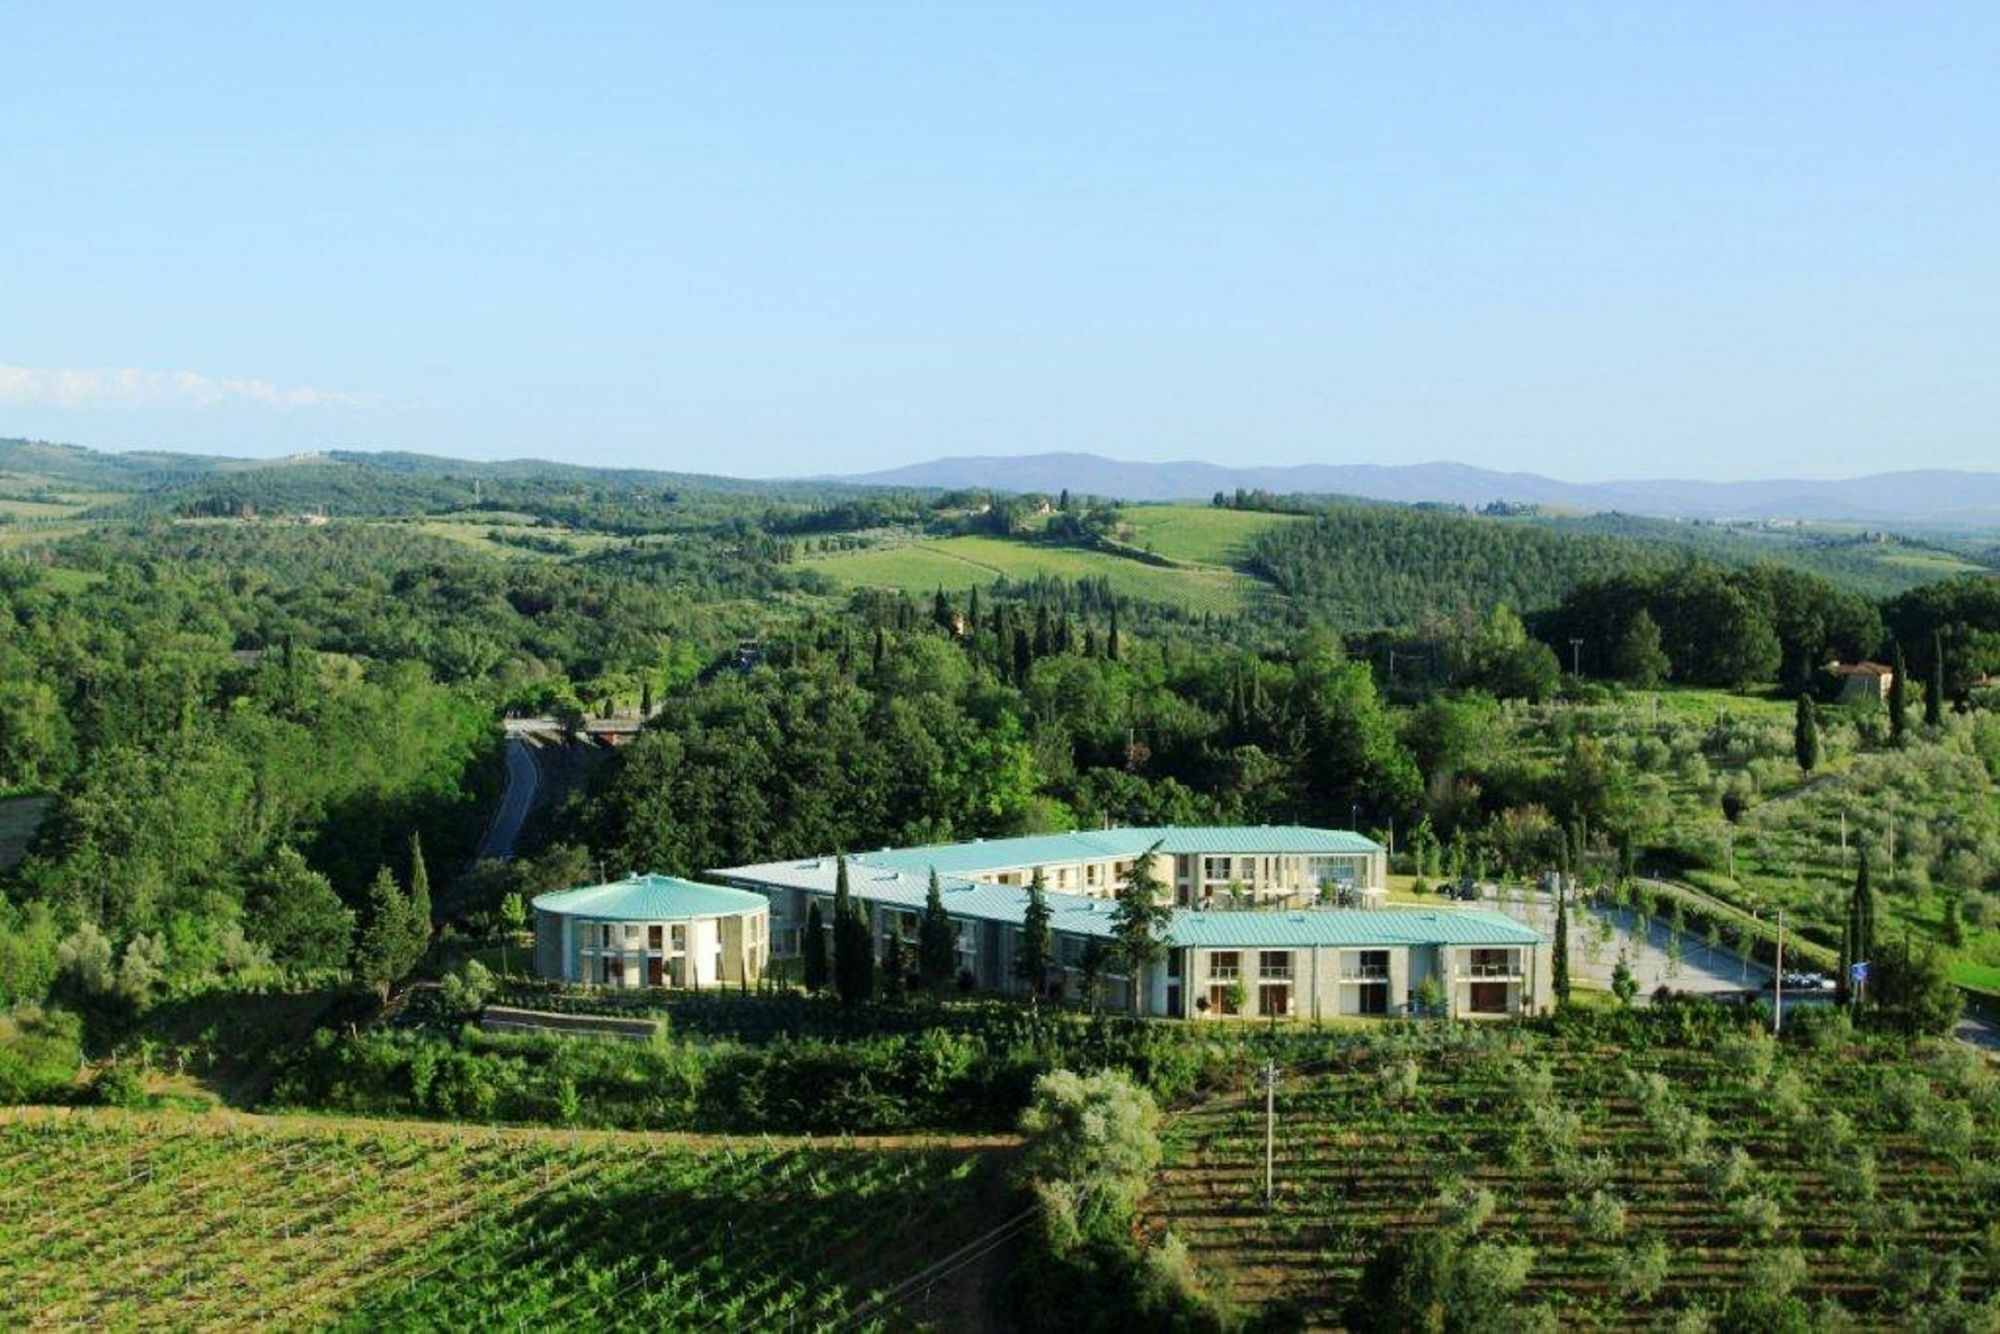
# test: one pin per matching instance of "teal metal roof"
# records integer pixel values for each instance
(1079, 915)
(1004, 854)
(1377, 927)
(650, 898)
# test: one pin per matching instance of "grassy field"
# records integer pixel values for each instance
(478, 531)
(1871, 1170)
(1200, 534)
(34, 534)
(964, 562)
(166, 1221)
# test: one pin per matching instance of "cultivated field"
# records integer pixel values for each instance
(1643, 1177)
(958, 563)
(183, 1222)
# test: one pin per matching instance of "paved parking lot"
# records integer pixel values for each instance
(1598, 935)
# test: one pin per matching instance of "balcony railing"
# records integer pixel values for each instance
(1366, 972)
(1274, 974)
(1216, 974)
(1501, 970)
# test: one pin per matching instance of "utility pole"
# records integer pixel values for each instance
(1270, 1074)
(1778, 995)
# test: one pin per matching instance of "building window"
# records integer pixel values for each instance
(1489, 998)
(1274, 999)
(1225, 966)
(1222, 999)
(1368, 964)
(654, 935)
(1274, 965)
(1493, 963)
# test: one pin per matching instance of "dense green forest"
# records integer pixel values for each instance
(224, 725)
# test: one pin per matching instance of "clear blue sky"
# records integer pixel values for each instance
(1592, 240)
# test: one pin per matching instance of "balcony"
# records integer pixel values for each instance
(1501, 971)
(1274, 974)
(1225, 974)
(1365, 972)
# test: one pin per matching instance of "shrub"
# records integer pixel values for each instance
(1463, 1207)
(1099, 1134)
(1758, 1215)
(1640, 1270)
(1601, 1217)
(1398, 1081)
(40, 1053)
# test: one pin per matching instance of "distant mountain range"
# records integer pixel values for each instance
(1939, 498)
(1931, 497)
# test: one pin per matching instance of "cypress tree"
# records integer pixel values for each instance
(1139, 923)
(1934, 693)
(418, 912)
(863, 952)
(1111, 639)
(1899, 704)
(1561, 952)
(972, 611)
(646, 700)
(814, 948)
(853, 951)
(1858, 939)
(1805, 735)
(895, 970)
(1034, 953)
(382, 951)
(937, 949)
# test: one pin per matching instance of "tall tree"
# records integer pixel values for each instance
(418, 918)
(1638, 658)
(853, 952)
(382, 954)
(813, 950)
(293, 912)
(1858, 939)
(1561, 950)
(1139, 922)
(1899, 701)
(1111, 637)
(895, 968)
(937, 943)
(1934, 692)
(1033, 955)
(1805, 734)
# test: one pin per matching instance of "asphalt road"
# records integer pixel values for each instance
(523, 780)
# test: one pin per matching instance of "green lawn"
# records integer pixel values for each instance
(1976, 976)
(964, 562)
(1200, 533)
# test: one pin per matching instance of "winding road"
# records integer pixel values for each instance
(523, 780)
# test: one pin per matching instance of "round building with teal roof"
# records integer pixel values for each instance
(652, 931)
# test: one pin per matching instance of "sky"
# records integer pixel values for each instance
(1595, 241)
